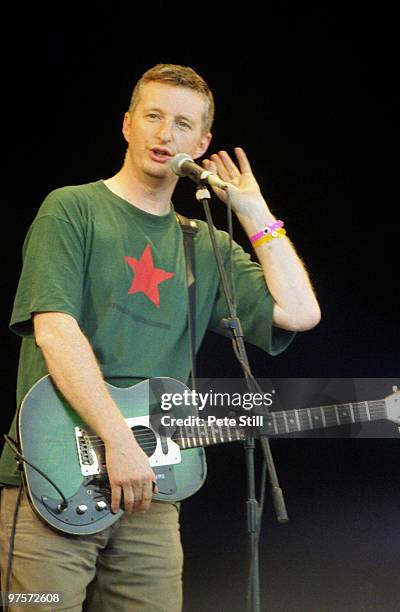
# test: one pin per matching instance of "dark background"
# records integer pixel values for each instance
(310, 95)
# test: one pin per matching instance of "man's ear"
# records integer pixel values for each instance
(126, 125)
(203, 145)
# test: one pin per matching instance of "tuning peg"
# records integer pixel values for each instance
(395, 388)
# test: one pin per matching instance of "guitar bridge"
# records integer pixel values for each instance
(88, 460)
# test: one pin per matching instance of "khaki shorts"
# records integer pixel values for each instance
(134, 565)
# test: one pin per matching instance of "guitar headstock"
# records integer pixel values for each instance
(392, 403)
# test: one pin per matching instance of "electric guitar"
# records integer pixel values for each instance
(66, 477)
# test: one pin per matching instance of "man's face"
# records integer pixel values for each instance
(166, 120)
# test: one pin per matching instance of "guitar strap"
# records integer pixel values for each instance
(189, 230)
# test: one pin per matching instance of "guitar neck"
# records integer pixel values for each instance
(200, 433)
(321, 417)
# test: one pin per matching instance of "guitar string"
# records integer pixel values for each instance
(149, 431)
(200, 436)
(276, 414)
(198, 432)
(287, 413)
(152, 435)
(208, 431)
(149, 437)
(97, 443)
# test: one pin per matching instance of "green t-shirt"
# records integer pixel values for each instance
(120, 272)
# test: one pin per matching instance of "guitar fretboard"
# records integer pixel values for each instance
(282, 422)
(202, 434)
(319, 417)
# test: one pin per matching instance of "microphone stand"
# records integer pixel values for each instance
(232, 323)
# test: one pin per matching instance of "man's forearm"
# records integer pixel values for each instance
(74, 369)
(296, 306)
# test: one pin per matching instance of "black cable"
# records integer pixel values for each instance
(11, 551)
(13, 445)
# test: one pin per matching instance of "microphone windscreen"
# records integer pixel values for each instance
(177, 161)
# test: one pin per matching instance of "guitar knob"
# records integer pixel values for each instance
(81, 509)
(101, 505)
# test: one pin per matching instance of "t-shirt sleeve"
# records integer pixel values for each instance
(254, 304)
(52, 272)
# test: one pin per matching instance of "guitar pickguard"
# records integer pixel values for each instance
(161, 449)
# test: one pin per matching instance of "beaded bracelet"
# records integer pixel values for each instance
(266, 238)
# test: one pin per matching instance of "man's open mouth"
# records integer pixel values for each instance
(160, 154)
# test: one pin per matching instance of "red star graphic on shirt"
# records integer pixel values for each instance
(147, 277)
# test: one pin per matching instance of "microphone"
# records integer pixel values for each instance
(183, 165)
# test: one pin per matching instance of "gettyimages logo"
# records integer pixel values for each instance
(216, 399)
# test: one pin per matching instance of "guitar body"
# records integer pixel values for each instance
(54, 439)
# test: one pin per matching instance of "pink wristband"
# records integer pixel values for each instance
(271, 227)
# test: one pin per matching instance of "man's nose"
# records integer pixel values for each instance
(165, 131)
